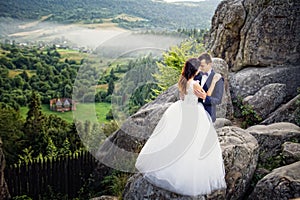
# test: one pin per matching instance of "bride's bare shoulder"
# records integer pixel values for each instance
(196, 85)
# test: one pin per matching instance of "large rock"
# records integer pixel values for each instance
(281, 183)
(221, 122)
(255, 33)
(139, 188)
(267, 99)
(291, 152)
(271, 138)
(289, 112)
(105, 197)
(250, 80)
(225, 109)
(224, 37)
(240, 154)
(4, 193)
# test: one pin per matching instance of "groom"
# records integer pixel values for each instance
(205, 78)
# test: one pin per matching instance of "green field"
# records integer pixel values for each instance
(71, 55)
(84, 111)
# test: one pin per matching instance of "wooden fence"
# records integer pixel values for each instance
(65, 175)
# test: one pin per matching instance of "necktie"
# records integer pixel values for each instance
(204, 74)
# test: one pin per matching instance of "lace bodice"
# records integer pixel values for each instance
(190, 97)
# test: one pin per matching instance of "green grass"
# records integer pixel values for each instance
(92, 112)
(15, 72)
(71, 54)
(84, 111)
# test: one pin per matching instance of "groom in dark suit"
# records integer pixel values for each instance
(205, 78)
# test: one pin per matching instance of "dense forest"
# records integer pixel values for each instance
(24, 69)
(128, 13)
(31, 76)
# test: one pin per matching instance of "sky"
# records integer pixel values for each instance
(182, 0)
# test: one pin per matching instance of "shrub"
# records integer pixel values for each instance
(115, 183)
(245, 113)
(249, 116)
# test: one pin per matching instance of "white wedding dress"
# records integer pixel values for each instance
(183, 154)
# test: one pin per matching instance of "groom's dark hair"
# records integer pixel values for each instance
(206, 57)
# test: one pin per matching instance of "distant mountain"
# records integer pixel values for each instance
(127, 13)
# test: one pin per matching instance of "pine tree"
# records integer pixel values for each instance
(73, 136)
(51, 149)
(111, 86)
(10, 133)
(34, 127)
(112, 74)
(65, 150)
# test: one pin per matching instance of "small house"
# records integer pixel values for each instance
(62, 104)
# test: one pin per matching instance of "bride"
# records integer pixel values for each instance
(183, 154)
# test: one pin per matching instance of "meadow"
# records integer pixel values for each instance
(84, 111)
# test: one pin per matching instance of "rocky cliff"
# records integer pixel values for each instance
(256, 33)
(259, 39)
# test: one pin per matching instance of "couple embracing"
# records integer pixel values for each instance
(183, 154)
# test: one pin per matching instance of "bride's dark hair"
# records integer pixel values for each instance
(188, 71)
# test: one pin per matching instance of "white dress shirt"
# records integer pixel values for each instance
(204, 78)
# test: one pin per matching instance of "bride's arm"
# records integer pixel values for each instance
(216, 78)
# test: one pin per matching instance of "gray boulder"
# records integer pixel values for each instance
(291, 152)
(250, 80)
(225, 109)
(139, 188)
(271, 137)
(289, 112)
(240, 154)
(223, 39)
(270, 33)
(267, 99)
(255, 33)
(105, 197)
(281, 183)
(221, 122)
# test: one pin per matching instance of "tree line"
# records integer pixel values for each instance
(142, 14)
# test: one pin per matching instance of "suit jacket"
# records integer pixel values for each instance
(216, 97)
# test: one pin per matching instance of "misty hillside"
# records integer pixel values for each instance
(127, 13)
